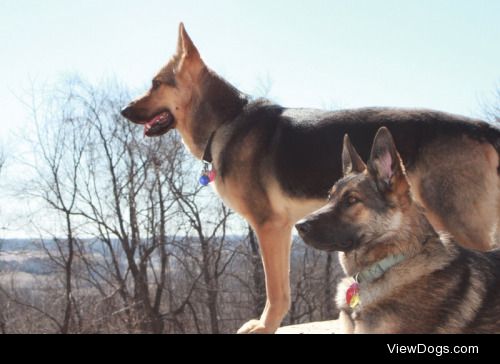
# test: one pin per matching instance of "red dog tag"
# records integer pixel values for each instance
(352, 295)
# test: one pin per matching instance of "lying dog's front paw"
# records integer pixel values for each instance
(256, 327)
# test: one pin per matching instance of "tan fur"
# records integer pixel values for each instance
(274, 232)
(434, 219)
(186, 68)
(233, 191)
(275, 241)
(415, 268)
(477, 193)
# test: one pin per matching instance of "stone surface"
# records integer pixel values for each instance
(320, 327)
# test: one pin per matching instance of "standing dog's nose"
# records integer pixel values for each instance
(303, 227)
(126, 111)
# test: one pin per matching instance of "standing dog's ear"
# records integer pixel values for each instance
(351, 161)
(185, 46)
(386, 166)
(189, 61)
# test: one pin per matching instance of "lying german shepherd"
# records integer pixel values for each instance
(408, 278)
(275, 165)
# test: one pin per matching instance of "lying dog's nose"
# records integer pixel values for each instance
(126, 111)
(303, 227)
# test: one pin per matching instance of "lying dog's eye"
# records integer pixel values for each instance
(351, 200)
(155, 84)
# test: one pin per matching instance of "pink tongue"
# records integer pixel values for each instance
(155, 119)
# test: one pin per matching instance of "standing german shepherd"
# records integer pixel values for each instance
(275, 165)
(409, 279)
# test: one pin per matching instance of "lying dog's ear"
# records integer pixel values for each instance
(189, 63)
(385, 165)
(351, 161)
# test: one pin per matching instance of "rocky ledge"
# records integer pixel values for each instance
(321, 327)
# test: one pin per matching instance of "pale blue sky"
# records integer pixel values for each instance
(423, 53)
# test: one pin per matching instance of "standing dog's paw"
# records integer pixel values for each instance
(256, 327)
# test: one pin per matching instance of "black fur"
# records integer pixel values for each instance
(304, 143)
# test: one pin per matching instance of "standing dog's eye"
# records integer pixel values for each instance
(155, 84)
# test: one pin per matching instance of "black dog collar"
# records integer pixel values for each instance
(207, 153)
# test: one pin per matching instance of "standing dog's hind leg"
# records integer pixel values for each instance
(457, 182)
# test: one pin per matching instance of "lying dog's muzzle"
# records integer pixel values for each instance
(324, 237)
(303, 227)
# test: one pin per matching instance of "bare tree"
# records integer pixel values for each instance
(330, 280)
(132, 243)
(125, 199)
(211, 238)
(132, 197)
(59, 147)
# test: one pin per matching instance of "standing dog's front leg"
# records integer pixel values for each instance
(275, 242)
